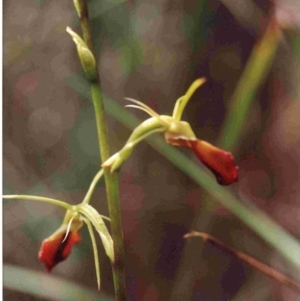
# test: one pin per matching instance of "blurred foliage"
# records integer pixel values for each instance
(27, 281)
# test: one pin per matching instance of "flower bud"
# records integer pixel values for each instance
(86, 57)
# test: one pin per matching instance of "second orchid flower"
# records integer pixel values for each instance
(178, 133)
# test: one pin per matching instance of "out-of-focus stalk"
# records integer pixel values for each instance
(256, 69)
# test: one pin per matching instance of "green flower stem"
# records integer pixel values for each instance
(83, 15)
(115, 161)
(38, 199)
(88, 195)
(117, 235)
(100, 122)
(112, 193)
(141, 132)
(111, 179)
(147, 127)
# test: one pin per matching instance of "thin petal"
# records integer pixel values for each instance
(57, 248)
(220, 162)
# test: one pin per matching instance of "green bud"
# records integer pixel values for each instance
(86, 57)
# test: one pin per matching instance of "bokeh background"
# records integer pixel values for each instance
(150, 51)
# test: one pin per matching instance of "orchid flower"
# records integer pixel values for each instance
(57, 247)
(178, 133)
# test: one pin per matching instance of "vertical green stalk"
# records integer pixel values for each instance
(111, 180)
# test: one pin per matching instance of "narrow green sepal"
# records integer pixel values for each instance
(95, 251)
(97, 221)
(183, 100)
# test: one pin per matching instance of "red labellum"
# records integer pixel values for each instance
(57, 248)
(220, 162)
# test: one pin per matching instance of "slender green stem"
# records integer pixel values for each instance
(141, 132)
(117, 235)
(111, 179)
(38, 199)
(112, 193)
(83, 15)
(100, 122)
(88, 195)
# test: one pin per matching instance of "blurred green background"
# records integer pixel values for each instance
(150, 51)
